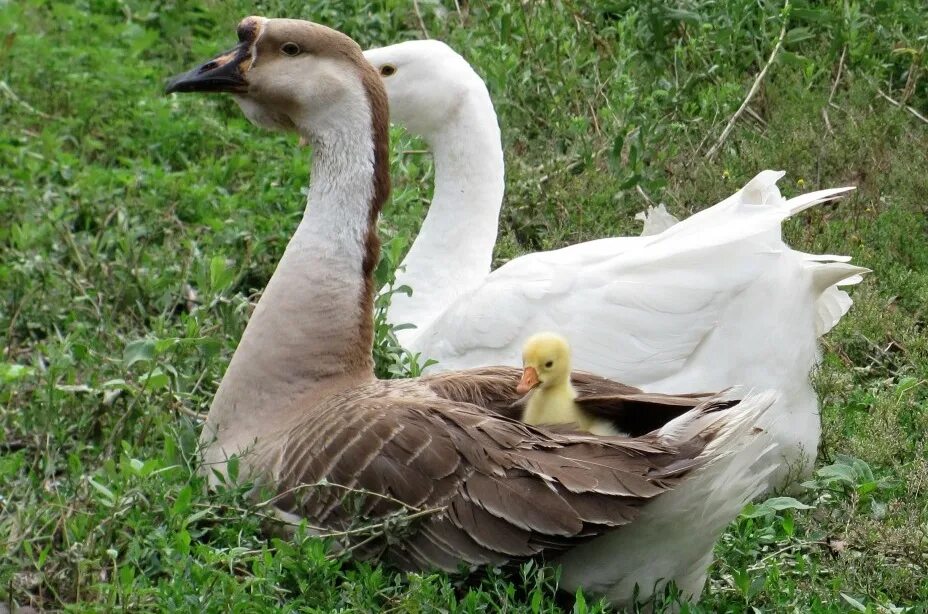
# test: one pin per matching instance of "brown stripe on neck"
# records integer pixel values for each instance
(380, 133)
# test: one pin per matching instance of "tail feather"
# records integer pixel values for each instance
(828, 271)
(830, 307)
(802, 202)
(656, 220)
(828, 274)
(692, 516)
(832, 302)
(718, 421)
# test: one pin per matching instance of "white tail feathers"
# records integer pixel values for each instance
(762, 189)
(830, 308)
(802, 202)
(692, 516)
(828, 273)
(656, 220)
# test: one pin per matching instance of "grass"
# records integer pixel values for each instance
(137, 228)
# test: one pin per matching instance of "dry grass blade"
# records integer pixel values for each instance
(896, 103)
(710, 155)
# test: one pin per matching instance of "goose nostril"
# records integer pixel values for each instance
(208, 66)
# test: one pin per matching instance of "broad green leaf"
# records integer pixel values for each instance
(786, 503)
(156, 380)
(854, 603)
(10, 373)
(138, 351)
(109, 499)
(906, 384)
(220, 275)
(182, 503)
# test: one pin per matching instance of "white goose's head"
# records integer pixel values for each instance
(290, 75)
(426, 83)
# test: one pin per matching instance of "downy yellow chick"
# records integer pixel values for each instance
(546, 374)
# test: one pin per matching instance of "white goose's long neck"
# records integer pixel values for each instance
(454, 248)
(311, 331)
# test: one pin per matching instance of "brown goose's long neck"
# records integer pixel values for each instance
(311, 332)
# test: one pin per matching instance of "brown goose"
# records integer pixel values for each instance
(299, 402)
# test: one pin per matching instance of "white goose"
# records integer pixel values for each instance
(300, 405)
(714, 301)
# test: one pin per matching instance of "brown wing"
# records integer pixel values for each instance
(640, 414)
(500, 490)
(629, 409)
(492, 388)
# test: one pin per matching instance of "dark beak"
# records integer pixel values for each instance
(224, 73)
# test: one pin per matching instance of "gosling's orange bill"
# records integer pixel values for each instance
(529, 380)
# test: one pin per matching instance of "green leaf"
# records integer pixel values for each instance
(690, 17)
(156, 380)
(11, 464)
(126, 576)
(854, 603)
(10, 373)
(209, 346)
(163, 345)
(838, 472)
(220, 275)
(906, 384)
(580, 606)
(138, 351)
(109, 499)
(757, 585)
(786, 503)
(182, 503)
(182, 542)
(232, 469)
(797, 35)
(742, 580)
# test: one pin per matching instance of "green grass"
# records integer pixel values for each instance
(135, 227)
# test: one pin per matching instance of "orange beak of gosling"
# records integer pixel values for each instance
(529, 380)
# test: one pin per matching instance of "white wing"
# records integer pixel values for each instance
(638, 309)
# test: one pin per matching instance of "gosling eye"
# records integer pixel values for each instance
(387, 69)
(290, 49)
(549, 364)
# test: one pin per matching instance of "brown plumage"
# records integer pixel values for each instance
(501, 490)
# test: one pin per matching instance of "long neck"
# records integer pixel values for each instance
(311, 332)
(454, 248)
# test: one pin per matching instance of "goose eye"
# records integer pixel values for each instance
(387, 69)
(549, 364)
(290, 49)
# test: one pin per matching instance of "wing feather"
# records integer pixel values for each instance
(491, 489)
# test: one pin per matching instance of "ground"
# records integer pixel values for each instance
(137, 227)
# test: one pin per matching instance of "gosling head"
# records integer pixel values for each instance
(545, 362)
(292, 75)
(426, 82)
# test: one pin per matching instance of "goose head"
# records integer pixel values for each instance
(288, 75)
(545, 362)
(426, 82)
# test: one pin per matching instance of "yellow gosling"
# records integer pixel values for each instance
(546, 374)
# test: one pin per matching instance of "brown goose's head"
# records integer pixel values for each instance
(290, 75)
